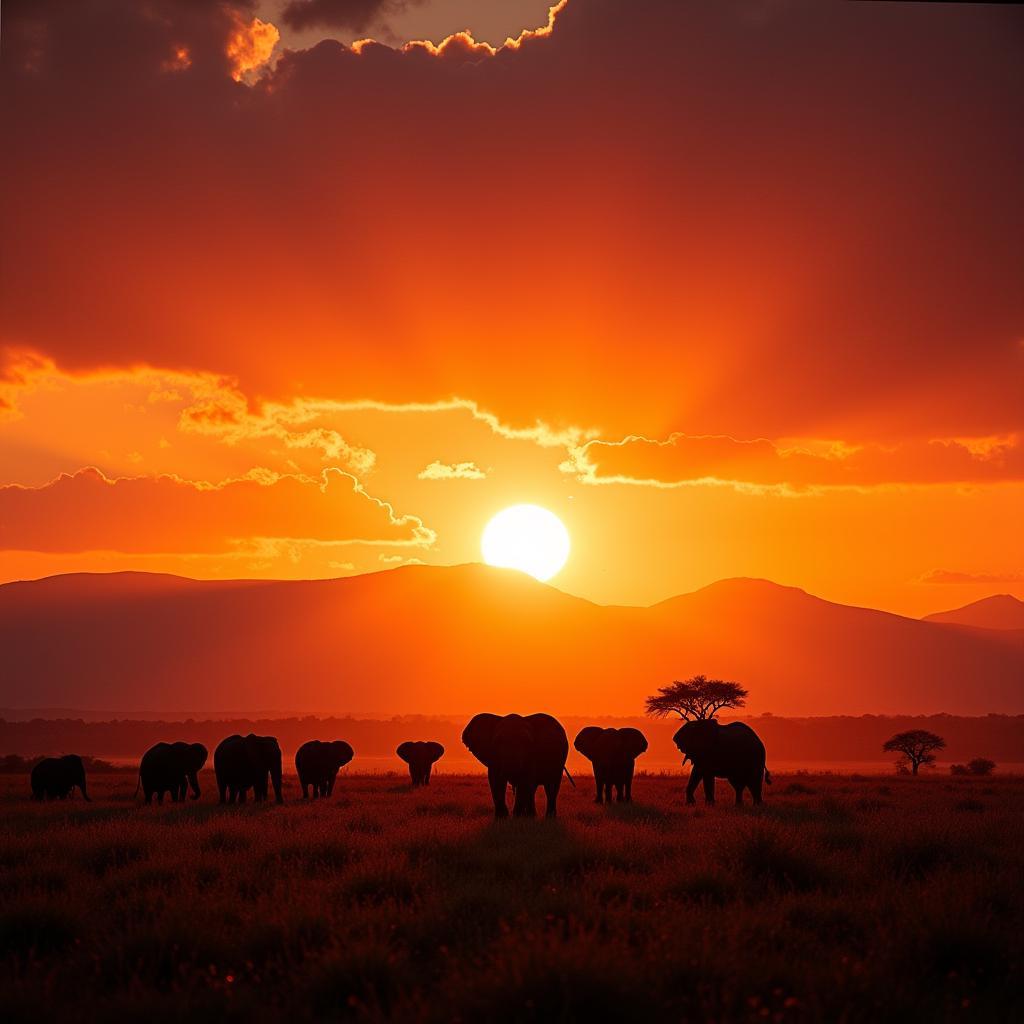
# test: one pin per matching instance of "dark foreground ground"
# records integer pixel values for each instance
(841, 899)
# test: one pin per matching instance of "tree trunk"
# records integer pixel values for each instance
(913, 767)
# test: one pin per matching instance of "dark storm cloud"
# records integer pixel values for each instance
(661, 217)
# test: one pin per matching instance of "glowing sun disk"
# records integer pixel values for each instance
(528, 538)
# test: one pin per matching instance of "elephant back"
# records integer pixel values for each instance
(548, 734)
(741, 736)
(156, 754)
(226, 749)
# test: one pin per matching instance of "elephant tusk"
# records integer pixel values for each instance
(686, 757)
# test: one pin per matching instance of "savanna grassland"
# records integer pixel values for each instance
(841, 899)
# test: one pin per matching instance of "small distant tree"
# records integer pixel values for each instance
(915, 747)
(958, 769)
(981, 766)
(696, 698)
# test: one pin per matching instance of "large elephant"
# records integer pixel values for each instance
(171, 768)
(245, 762)
(317, 763)
(56, 777)
(524, 752)
(420, 757)
(613, 753)
(734, 752)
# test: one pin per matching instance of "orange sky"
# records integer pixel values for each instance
(734, 290)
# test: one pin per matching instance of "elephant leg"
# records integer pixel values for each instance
(738, 786)
(599, 782)
(628, 783)
(709, 789)
(551, 792)
(692, 785)
(426, 776)
(526, 801)
(498, 786)
(148, 793)
(755, 788)
(241, 794)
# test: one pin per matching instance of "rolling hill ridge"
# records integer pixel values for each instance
(427, 639)
(1000, 611)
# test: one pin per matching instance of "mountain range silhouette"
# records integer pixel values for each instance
(429, 639)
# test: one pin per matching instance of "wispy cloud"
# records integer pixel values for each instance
(455, 471)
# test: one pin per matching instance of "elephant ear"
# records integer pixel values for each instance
(680, 735)
(588, 741)
(345, 751)
(633, 741)
(435, 750)
(478, 735)
(406, 750)
(199, 754)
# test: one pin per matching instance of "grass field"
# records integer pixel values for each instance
(841, 899)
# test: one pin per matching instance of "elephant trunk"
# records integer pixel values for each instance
(275, 778)
(193, 781)
(81, 786)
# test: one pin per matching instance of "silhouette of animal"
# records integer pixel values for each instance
(613, 753)
(56, 777)
(524, 752)
(317, 762)
(245, 762)
(171, 768)
(420, 757)
(734, 752)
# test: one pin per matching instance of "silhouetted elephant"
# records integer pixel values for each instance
(420, 757)
(317, 763)
(613, 753)
(734, 752)
(171, 768)
(55, 777)
(524, 752)
(245, 762)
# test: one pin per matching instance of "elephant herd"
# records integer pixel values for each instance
(526, 752)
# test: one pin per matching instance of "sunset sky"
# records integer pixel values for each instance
(734, 290)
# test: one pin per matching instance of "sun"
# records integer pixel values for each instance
(528, 538)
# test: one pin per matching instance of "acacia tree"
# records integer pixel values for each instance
(917, 746)
(696, 698)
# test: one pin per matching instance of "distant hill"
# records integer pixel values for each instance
(1000, 611)
(454, 640)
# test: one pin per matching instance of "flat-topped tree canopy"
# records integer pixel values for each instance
(696, 698)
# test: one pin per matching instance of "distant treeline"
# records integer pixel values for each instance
(838, 739)
(15, 764)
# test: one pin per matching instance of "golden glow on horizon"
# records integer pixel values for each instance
(528, 538)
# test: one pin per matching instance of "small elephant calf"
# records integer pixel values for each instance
(318, 762)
